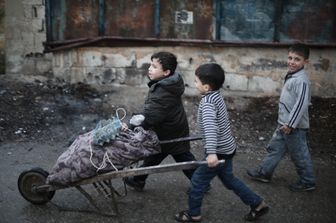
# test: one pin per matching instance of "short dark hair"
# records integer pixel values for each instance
(211, 74)
(167, 60)
(301, 49)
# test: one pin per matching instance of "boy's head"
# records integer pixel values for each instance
(300, 49)
(163, 64)
(298, 55)
(209, 77)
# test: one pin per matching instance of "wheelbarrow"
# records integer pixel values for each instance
(33, 187)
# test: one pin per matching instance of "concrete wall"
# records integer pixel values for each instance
(25, 34)
(249, 70)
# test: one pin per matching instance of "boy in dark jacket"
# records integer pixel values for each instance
(164, 113)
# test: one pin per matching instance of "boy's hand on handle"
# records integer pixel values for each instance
(286, 129)
(212, 160)
(124, 127)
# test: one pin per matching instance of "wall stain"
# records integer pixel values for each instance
(264, 64)
(323, 64)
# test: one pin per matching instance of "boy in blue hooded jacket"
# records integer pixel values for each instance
(293, 124)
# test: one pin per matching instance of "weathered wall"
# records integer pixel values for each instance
(249, 70)
(257, 71)
(25, 34)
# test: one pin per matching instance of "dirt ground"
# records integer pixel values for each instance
(39, 119)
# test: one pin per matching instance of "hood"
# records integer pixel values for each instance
(173, 84)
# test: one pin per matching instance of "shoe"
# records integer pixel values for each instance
(184, 216)
(257, 175)
(254, 214)
(138, 185)
(300, 187)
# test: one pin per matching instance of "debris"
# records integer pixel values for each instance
(45, 111)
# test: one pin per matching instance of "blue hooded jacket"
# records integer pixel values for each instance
(294, 101)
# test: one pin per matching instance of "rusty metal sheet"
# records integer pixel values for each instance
(104, 22)
(309, 21)
(73, 19)
(130, 18)
(82, 18)
(173, 27)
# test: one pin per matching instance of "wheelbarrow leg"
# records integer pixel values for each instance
(93, 203)
(113, 192)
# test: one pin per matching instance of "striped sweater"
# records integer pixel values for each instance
(214, 125)
(294, 101)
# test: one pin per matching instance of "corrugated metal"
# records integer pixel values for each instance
(72, 19)
(130, 18)
(201, 28)
(310, 21)
(89, 22)
(82, 17)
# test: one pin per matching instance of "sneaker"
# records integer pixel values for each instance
(254, 214)
(299, 187)
(257, 175)
(138, 185)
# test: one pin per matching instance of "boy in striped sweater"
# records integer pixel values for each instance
(293, 123)
(219, 144)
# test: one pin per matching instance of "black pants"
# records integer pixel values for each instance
(158, 158)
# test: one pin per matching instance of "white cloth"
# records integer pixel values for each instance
(137, 120)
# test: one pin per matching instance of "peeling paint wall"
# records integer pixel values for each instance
(257, 71)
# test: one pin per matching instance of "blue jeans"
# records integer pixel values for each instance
(296, 145)
(201, 180)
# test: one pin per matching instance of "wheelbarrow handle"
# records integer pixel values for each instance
(183, 139)
(203, 162)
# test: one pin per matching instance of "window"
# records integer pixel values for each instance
(245, 20)
(276, 21)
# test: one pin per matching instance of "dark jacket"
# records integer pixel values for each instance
(164, 112)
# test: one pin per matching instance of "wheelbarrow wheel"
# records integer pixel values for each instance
(28, 182)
